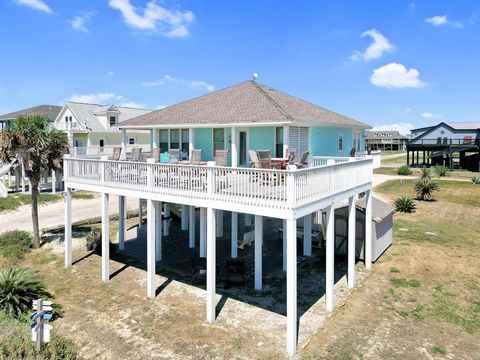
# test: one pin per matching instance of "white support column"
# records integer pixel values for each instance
(330, 260)
(54, 182)
(151, 226)
(368, 229)
(234, 148)
(248, 220)
(123, 140)
(166, 221)
(68, 227)
(285, 140)
(307, 235)
(121, 223)
(258, 251)
(140, 214)
(211, 264)
(219, 221)
(291, 231)
(184, 218)
(351, 242)
(191, 141)
(191, 227)
(155, 143)
(158, 231)
(105, 238)
(284, 235)
(234, 235)
(203, 232)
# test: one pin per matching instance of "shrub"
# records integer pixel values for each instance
(405, 204)
(18, 288)
(425, 174)
(14, 244)
(476, 180)
(94, 241)
(441, 170)
(425, 189)
(404, 170)
(16, 343)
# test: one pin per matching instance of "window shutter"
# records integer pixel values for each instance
(298, 139)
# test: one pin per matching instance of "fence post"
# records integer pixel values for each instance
(150, 172)
(331, 172)
(102, 169)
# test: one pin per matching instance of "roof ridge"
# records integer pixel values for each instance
(273, 102)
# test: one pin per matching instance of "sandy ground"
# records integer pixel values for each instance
(52, 214)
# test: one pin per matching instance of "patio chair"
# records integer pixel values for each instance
(116, 153)
(303, 161)
(254, 159)
(291, 158)
(174, 156)
(155, 154)
(221, 157)
(265, 158)
(196, 157)
(291, 153)
(136, 154)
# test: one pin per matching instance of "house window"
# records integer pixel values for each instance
(298, 139)
(101, 144)
(175, 139)
(131, 141)
(279, 141)
(164, 140)
(340, 142)
(185, 141)
(113, 120)
(218, 139)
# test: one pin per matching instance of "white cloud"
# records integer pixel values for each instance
(96, 98)
(133, 104)
(35, 4)
(408, 109)
(194, 84)
(201, 85)
(161, 107)
(429, 115)
(379, 46)
(154, 83)
(402, 127)
(437, 20)
(110, 74)
(155, 18)
(396, 75)
(79, 22)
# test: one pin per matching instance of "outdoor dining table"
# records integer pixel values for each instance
(282, 161)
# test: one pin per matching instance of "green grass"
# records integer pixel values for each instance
(394, 269)
(439, 349)
(452, 191)
(15, 244)
(12, 202)
(392, 152)
(405, 283)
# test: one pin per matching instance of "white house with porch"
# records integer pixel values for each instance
(246, 116)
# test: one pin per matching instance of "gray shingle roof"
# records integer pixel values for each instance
(85, 113)
(244, 103)
(50, 111)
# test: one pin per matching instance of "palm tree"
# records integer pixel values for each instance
(33, 142)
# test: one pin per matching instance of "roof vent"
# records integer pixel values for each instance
(255, 76)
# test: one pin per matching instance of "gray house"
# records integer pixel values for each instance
(437, 145)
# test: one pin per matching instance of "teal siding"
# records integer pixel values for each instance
(262, 138)
(203, 140)
(324, 141)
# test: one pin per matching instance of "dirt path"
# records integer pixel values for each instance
(52, 214)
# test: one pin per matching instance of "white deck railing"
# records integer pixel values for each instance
(279, 189)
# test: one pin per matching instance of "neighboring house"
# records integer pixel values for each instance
(252, 116)
(93, 126)
(440, 143)
(50, 111)
(385, 140)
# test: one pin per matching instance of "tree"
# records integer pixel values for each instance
(33, 142)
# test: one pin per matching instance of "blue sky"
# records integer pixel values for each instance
(386, 63)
